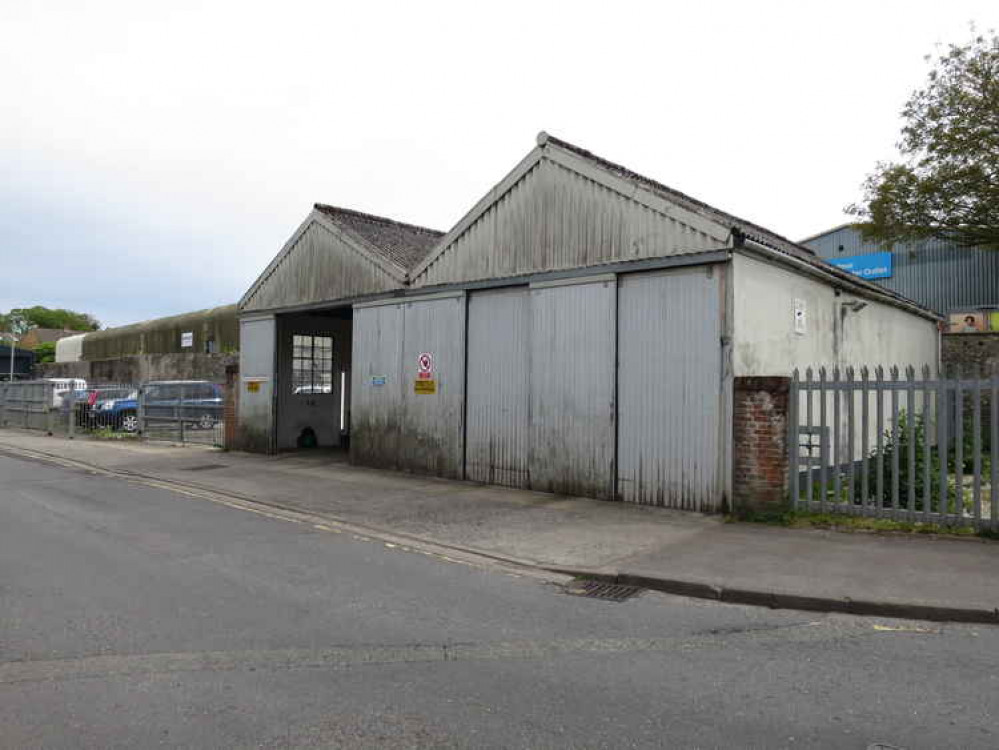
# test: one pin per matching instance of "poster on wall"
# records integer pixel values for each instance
(968, 322)
(187, 339)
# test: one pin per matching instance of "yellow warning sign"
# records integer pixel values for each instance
(424, 386)
(253, 386)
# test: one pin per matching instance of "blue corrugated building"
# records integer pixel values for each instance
(936, 273)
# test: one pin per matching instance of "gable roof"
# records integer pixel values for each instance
(403, 244)
(746, 228)
(625, 181)
(391, 247)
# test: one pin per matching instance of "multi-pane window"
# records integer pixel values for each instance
(312, 364)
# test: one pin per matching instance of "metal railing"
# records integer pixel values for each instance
(902, 447)
(183, 412)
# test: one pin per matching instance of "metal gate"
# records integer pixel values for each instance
(896, 447)
(670, 389)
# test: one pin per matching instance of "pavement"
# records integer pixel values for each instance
(916, 577)
(133, 615)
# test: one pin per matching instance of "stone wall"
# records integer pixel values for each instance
(970, 353)
(760, 464)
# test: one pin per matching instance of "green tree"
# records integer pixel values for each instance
(44, 317)
(45, 352)
(946, 182)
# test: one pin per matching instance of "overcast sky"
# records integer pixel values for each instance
(155, 156)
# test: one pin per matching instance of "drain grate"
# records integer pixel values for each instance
(204, 467)
(611, 592)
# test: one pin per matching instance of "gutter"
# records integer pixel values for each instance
(832, 275)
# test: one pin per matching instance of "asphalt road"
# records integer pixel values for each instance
(137, 617)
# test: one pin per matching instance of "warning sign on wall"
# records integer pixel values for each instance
(425, 386)
(425, 366)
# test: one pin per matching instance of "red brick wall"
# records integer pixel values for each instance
(760, 462)
(231, 404)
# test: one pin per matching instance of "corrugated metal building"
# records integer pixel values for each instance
(577, 332)
(936, 273)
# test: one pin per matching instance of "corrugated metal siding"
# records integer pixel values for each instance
(572, 388)
(933, 272)
(391, 426)
(433, 428)
(498, 387)
(319, 267)
(376, 410)
(554, 218)
(669, 389)
(163, 335)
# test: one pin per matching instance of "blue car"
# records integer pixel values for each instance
(198, 403)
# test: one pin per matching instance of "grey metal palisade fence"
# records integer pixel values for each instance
(895, 446)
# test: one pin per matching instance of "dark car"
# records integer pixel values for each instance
(107, 406)
(198, 403)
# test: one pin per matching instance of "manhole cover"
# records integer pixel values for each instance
(205, 467)
(612, 592)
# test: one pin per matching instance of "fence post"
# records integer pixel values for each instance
(823, 442)
(977, 449)
(865, 424)
(50, 411)
(850, 435)
(180, 413)
(71, 427)
(910, 425)
(793, 446)
(958, 447)
(140, 411)
(837, 457)
(927, 450)
(809, 423)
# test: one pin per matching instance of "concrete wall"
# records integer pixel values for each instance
(320, 411)
(144, 367)
(258, 336)
(765, 341)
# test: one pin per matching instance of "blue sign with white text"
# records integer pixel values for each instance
(873, 266)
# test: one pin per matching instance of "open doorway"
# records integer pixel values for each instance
(313, 380)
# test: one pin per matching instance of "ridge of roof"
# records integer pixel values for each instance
(401, 243)
(748, 228)
(334, 210)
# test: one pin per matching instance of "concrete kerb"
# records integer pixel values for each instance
(781, 600)
(557, 574)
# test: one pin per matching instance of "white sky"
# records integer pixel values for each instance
(155, 156)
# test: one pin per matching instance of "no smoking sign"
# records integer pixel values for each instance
(425, 366)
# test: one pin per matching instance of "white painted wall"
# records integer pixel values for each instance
(764, 337)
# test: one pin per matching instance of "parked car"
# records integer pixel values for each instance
(198, 403)
(114, 406)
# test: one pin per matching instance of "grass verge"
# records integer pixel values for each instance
(838, 522)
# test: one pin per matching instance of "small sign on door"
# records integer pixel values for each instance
(425, 366)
